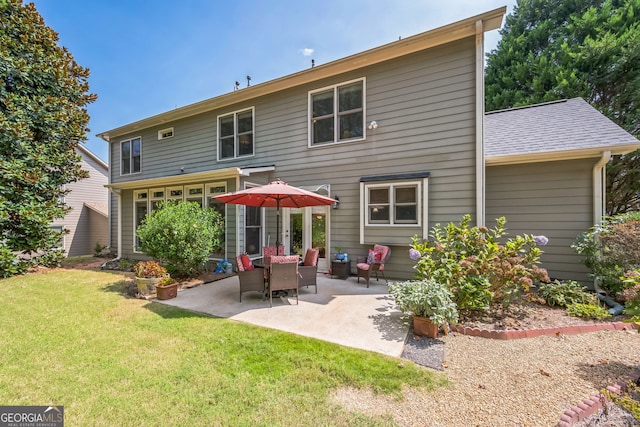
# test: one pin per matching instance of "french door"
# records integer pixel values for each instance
(307, 228)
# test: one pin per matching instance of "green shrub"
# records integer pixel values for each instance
(477, 264)
(181, 234)
(562, 294)
(610, 249)
(587, 311)
(425, 298)
(11, 265)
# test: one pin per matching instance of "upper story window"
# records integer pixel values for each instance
(337, 113)
(131, 155)
(165, 133)
(235, 135)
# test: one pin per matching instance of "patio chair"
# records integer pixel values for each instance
(283, 275)
(374, 263)
(269, 251)
(309, 269)
(251, 278)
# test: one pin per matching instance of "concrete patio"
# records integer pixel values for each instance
(343, 311)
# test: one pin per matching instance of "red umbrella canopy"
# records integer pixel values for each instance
(276, 194)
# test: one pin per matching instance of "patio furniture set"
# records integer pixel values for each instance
(279, 273)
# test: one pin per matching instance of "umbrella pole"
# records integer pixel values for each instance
(277, 226)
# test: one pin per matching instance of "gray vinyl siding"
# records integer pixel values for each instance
(86, 227)
(424, 104)
(554, 199)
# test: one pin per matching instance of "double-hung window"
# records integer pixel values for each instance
(336, 113)
(130, 154)
(394, 199)
(235, 134)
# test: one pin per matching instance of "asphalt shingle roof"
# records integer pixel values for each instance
(567, 125)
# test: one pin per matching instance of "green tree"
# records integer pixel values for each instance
(555, 49)
(43, 94)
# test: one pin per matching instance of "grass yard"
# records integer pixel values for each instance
(70, 337)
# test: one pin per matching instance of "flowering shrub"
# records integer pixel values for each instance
(610, 249)
(479, 269)
(149, 269)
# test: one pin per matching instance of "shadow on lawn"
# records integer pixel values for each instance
(172, 312)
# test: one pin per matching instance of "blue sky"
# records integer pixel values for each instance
(150, 56)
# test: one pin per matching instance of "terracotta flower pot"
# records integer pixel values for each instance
(424, 327)
(167, 291)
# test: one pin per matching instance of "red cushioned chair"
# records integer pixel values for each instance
(309, 269)
(374, 263)
(251, 278)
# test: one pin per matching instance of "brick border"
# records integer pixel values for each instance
(590, 406)
(513, 334)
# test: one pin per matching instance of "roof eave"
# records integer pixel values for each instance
(458, 30)
(515, 159)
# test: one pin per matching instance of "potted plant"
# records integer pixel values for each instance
(148, 274)
(429, 302)
(166, 288)
(340, 256)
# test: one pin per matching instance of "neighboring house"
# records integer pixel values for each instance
(546, 174)
(88, 221)
(395, 133)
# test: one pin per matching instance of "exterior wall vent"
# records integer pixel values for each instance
(165, 133)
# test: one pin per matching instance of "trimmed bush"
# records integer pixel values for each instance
(181, 234)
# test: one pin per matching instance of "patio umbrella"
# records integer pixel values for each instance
(276, 194)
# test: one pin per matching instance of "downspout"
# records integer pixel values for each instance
(480, 164)
(599, 199)
(599, 187)
(118, 192)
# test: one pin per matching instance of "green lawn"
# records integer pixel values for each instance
(70, 337)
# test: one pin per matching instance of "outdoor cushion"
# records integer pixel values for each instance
(363, 266)
(246, 262)
(374, 256)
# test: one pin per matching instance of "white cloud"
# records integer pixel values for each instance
(306, 51)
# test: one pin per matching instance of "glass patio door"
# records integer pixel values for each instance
(307, 228)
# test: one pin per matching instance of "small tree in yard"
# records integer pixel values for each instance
(181, 234)
(43, 94)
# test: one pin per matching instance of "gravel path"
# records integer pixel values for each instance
(525, 382)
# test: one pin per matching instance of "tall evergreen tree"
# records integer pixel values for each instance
(43, 95)
(555, 49)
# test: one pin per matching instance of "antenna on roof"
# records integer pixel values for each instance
(248, 81)
(237, 86)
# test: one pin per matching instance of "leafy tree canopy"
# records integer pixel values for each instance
(43, 94)
(556, 49)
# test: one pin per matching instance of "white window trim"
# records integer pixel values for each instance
(189, 198)
(422, 202)
(135, 201)
(168, 196)
(131, 159)
(235, 134)
(207, 194)
(391, 186)
(168, 132)
(336, 127)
